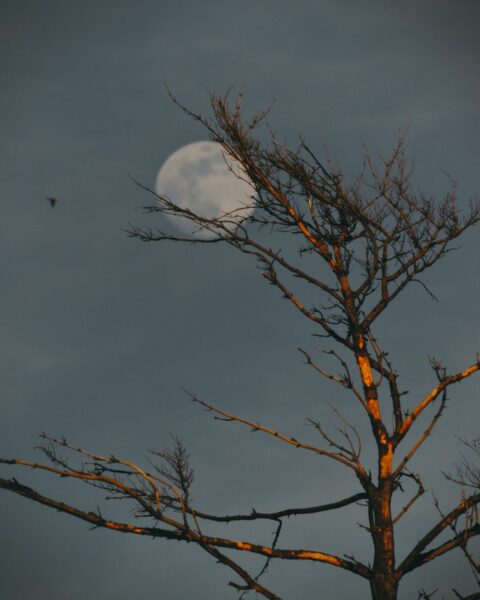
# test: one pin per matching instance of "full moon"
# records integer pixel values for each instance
(200, 177)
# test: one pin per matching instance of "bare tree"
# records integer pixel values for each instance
(368, 239)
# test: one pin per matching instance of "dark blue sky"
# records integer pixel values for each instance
(99, 332)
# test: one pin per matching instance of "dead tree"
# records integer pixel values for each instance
(368, 239)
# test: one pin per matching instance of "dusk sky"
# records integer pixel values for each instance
(100, 332)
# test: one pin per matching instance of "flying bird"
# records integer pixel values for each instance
(53, 201)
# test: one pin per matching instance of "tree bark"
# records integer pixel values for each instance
(384, 582)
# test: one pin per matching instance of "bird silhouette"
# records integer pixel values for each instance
(52, 201)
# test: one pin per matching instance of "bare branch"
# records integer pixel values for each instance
(435, 392)
(188, 535)
(424, 435)
(420, 491)
(287, 512)
(226, 416)
(250, 582)
(416, 558)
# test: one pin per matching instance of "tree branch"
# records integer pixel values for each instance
(429, 398)
(415, 558)
(186, 535)
(288, 512)
(288, 440)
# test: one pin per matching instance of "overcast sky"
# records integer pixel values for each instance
(99, 332)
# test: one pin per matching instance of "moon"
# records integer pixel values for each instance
(200, 177)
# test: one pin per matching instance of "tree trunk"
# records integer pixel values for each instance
(384, 583)
(383, 589)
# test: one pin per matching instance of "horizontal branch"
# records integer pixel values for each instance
(186, 535)
(288, 512)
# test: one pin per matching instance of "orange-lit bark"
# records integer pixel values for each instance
(371, 393)
(429, 398)
(317, 243)
(418, 556)
(182, 533)
(384, 582)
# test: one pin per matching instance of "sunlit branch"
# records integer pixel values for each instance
(135, 470)
(415, 558)
(188, 535)
(429, 398)
(424, 435)
(454, 542)
(469, 515)
(100, 479)
(95, 519)
(226, 416)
